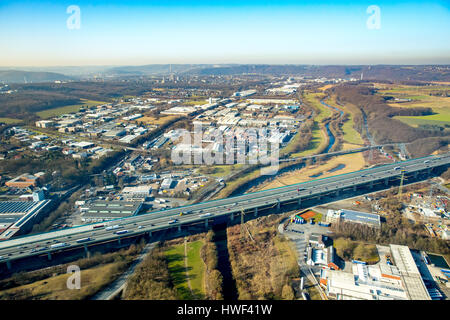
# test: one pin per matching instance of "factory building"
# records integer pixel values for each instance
(344, 215)
(18, 217)
(401, 281)
(99, 211)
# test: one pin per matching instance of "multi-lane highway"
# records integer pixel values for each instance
(202, 212)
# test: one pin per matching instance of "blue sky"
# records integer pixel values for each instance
(34, 33)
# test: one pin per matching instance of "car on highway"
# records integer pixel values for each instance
(172, 221)
(121, 232)
(206, 215)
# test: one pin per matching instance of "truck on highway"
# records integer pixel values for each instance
(84, 240)
(172, 221)
(98, 226)
(38, 249)
(121, 232)
(59, 245)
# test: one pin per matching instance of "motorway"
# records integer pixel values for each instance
(26, 246)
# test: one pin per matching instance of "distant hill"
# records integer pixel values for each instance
(377, 72)
(155, 69)
(17, 76)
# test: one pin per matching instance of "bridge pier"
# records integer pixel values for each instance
(354, 188)
(149, 233)
(416, 174)
(232, 216)
(206, 223)
(179, 228)
(371, 184)
(278, 205)
(119, 240)
(386, 181)
(256, 212)
(49, 256)
(337, 193)
(86, 250)
(8, 264)
(299, 201)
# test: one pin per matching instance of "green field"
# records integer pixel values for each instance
(420, 98)
(10, 120)
(441, 118)
(350, 135)
(195, 269)
(196, 274)
(49, 113)
(324, 112)
(195, 102)
(317, 142)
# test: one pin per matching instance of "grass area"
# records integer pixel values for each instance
(350, 135)
(318, 142)
(177, 270)
(317, 218)
(357, 250)
(420, 97)
(314, 100)
(232, 185)
(197, 267)
(49, 113)
(10, 120)
(160, 121)
(425, 120)
(55, 288)
(352, 162)
(195, 102)
(219, 170)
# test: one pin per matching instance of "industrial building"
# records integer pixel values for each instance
(23, 181)
(167, 183)
(99, 211)
(137, 193)
(344, 215)
(401, 281)
(18, 217)
(320, 251)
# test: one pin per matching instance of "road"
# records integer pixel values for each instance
(119, 284)
(201, 212)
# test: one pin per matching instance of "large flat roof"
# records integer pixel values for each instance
(362, 217)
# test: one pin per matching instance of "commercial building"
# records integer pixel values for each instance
(99, 211)
(137, 193)
(115, 133)
(23, 181)
(344, 215)
(401, 281)
(45, 123)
